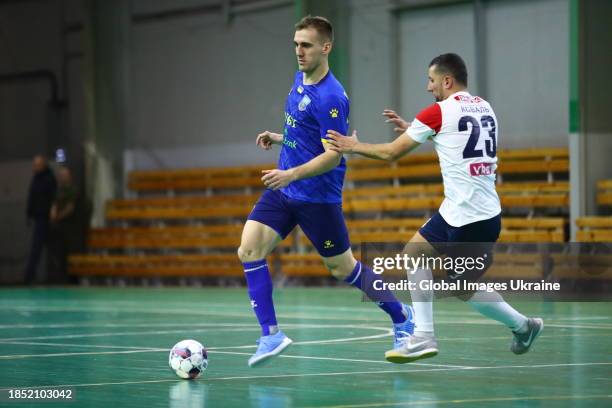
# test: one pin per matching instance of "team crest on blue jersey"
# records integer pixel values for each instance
(300, 89)
(304, 103)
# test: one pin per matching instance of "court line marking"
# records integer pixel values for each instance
(339, 359)
(177, 307)
(247, 325)
(289, 316)
(184, 312)
(93, 325)
(472, 400)
(28, 343)
(119, 334)
(562, 319)
(254, 327)
(220, 306)
(543, 336)
(346, 373)
(166, 350)
(386, 332)
(78, 353)
(192, 312)
(155, 350)
(217, 350)
(296, 325)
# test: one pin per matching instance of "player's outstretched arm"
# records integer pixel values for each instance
(401, 125)
(401, 146)
(326, 161)
(266, 139)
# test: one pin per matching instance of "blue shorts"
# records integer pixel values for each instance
(322, 223)
(471, 240)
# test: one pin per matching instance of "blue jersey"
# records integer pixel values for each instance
(309, 112)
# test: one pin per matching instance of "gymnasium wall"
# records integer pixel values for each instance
(595, 90)
(210, 91)
(201, 89)
(525, 72)
(29, 40)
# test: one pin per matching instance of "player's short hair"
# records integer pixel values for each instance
(320, 24)
(451, 64)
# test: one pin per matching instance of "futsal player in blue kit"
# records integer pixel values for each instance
(306, 190)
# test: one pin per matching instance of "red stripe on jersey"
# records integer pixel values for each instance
(431, 116)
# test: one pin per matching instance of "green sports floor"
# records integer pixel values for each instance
(110, 346)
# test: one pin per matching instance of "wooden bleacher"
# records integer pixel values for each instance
(604, 193)
(412, 197)
(594, 229)
(546, 161)
(548, 166)
(219, 199)
(597, 228)
(197, 179)
(225, 236)
(400, 230)
(155, 266)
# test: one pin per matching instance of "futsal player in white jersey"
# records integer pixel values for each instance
(464, 131)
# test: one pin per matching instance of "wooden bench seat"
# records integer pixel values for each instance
(152, 266)
(304, 265)
(419, 165)
(429, 197)
(360, 199)
(433, 170)
(358, 162)
(400, 230)
(516, 266)
(174, 237)
(504, 155)
(230, 210)
(198, 179)
(544, 229)
(182, 201)
(604, 192)
(543, 153)
(594, 229)
(380, 199)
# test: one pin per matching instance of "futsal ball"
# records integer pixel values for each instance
(188, 359)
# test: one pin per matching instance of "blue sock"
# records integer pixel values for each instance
(260, 291)
(363, 278)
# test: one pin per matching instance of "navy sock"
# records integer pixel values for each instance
(363, 278)
(260, 291)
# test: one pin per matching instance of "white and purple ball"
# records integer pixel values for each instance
(188, 359)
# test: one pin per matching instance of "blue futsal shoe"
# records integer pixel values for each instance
(269, 346)
(401, 331)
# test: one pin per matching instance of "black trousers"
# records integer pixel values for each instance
(63, 240)
(39, 241)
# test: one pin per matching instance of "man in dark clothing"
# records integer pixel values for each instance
(40, 197)
(65, 231)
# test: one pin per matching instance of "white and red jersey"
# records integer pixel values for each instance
(465, 135)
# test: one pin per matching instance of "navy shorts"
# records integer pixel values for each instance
(471, 240)
(323, 223)
(438, 230)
